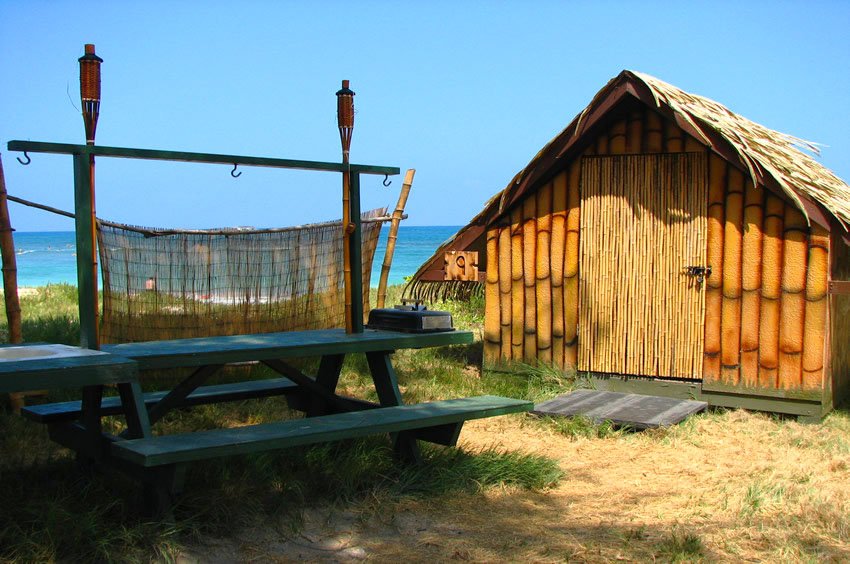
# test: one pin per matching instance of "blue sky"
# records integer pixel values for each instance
(465, 92)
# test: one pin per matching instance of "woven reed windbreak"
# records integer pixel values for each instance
(167, 284)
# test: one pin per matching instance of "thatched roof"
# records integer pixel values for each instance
(781, 162)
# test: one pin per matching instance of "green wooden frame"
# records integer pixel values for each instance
(83, 208)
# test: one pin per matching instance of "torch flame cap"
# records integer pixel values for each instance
(90, 55)
(345, 90)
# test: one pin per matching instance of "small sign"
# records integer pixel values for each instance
(461, 265)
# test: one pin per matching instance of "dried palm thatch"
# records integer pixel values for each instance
(169, 284)
(781, 162)
(760, 149)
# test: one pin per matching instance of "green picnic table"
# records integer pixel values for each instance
(159, 461)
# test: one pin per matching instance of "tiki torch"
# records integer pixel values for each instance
(345, 119)
(90, 98)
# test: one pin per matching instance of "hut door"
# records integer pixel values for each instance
(643, 223)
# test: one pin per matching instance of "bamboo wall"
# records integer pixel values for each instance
(765, 301)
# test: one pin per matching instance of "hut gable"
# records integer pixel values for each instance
(774, 160)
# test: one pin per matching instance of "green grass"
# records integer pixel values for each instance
(52, 511)
(681, 546)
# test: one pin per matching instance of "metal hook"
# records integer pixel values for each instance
(387, 180)
(233, 172)
(25, 163)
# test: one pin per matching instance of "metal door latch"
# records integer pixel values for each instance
(699, 272)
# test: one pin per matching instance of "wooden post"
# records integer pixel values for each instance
(356, 260)
(391, 239)
(86, 275)
(10, 281)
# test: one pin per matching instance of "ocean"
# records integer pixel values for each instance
(50, 257)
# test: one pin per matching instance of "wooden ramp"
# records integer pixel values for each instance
(628, 410)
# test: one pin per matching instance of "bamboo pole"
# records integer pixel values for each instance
(793, 301)
(817, 303)
(571, 267)
(393, 235)
(634, 133)
(673, 137)
(517, 288)
(751, 283)
(771, 291)
(617, 138)
(505, 309)
(654, 132)
(492, 320)
(529, 277)
(692, 145)
(10, 280)
(556, 264)
(730, 345)
(543, 286)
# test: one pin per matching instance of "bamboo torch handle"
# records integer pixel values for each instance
(345, 120)
(393, 235)
(10, 281)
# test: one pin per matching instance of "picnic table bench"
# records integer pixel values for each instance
(159, 461)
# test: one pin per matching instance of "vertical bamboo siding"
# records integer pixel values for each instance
(773, 319)
(643, 222)
(492, 318)
(556, 264)
(571, 267)
(543, 286)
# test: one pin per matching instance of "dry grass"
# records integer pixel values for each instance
(730, 486)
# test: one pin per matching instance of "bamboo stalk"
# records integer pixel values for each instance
(556, 264)
(529, 276)
(634, 133)
(654, 132)
(393, 235)
(10, 281)
(492, 319)
(601, 146)
(817, 303)
(692, 145)
(505, 292)
(673, 137)
(792, 303)
(517, 287)
(751, 282)
(543, 286)
(617, 138)
(771, 291)
(584, 306)
(731, 308)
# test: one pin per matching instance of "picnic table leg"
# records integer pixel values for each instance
(327, 377)
(386, 384)
(138, 423)
(161, 486)
(90, 420)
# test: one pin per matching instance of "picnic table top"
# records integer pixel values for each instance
(49, 366)
(265, 346)
(43, 365)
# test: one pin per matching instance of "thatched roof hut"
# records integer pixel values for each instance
(729, 236)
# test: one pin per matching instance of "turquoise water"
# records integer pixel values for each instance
(50, 257)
